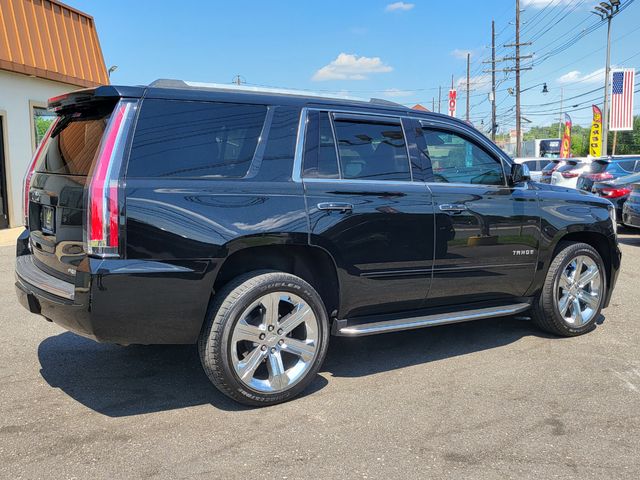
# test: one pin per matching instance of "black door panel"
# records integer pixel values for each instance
(383, 245)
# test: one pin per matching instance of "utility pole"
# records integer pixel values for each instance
(468, 82)
(518, 119)
(439, 98)
(433, 104)
(560, 119)
(606, 10)
(493, 80)
(517, 69)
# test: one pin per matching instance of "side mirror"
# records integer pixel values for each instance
(519, 173)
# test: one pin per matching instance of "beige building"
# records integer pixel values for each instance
(46, 48)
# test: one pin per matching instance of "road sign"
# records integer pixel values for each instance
(453, 97)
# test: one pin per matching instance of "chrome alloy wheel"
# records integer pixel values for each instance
(579, 290)
(275, 342)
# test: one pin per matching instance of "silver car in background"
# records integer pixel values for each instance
(535, 166)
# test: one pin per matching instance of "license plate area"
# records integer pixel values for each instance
(48, 219)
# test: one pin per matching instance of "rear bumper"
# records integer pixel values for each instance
(120, 301)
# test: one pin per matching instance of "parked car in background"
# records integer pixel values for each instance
(566, 175)
(606, 169)
(535, 166)
(617, 191)
(631, 208)
(549, 168)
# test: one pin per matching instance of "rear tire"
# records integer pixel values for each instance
(265, 337)
(573, 291)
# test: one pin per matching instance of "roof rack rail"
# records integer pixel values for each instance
(170, 83)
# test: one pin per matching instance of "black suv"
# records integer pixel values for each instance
(256, 224)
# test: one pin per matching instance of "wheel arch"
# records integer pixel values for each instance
(312, 264)
(598, 241)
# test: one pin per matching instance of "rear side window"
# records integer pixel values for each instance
(320, 158)
(627, 165)
(532, 165)
(74, 142)
(372, 150)
(195, 139)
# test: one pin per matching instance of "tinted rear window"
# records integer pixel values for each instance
(74, 143)
(550, 166)
(195, 139)
(569, 166)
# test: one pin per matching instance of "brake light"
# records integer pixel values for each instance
(26, 184)
(102, 209)
(598, 177)
(615, 192)
(570, 174)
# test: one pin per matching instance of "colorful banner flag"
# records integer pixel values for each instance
(565, 148)
(595, 138)
(621, 112)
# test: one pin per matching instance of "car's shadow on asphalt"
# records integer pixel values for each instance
(121, 381)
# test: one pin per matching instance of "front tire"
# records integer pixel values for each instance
(573, 292)
(265, 337)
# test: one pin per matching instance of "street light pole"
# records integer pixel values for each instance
(605, 120)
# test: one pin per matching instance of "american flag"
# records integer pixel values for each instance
(621, 114)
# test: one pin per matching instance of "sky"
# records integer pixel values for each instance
(400, 51)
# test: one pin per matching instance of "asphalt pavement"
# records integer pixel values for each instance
(489, 399)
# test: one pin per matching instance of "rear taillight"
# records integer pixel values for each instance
(615, 192)
(570, 174)
(26, 184)
(102, 209)
(599, 177)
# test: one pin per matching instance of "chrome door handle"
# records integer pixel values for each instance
(337, 206)
(453, 207)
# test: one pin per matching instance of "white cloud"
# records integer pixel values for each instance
(399, 7)
(459, 53)
(597, 76)
(348, 66)
(544, 3)
(397, 93)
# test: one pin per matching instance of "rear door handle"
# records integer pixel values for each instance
(337, 206)
(453, 207)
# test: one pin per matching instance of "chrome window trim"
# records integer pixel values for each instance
(487, 146)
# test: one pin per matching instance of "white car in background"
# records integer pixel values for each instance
(566, 175)
(535, 166)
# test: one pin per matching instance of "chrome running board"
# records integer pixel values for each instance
(345, 330)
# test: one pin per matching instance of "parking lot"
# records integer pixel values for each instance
(490, 399)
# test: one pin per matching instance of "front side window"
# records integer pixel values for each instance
(372, 150)
(195, 139)
(454, 159)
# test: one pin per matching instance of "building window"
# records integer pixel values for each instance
(42, 119)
